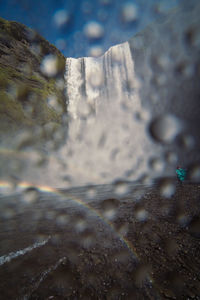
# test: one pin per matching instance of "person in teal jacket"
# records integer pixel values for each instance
(181, 174)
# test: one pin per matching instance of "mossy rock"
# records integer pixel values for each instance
(26, 92)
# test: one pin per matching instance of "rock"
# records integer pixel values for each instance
(31, 84)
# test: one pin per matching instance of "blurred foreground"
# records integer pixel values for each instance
(87, 244)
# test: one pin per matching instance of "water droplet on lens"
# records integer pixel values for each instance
(80, 225)
(50, 215)
(61, 44)
(165, 128)
(62, 220)
(109, 207)
(141, 215)
(30, 195)
(94, 30)
(61, 18)
(157, 164)
(53, 102)
(96, 51)
(91, 192)
(23, 140)
(129, 12)
(167, 187)
(49, 65)
(96, 79)
(120, 188)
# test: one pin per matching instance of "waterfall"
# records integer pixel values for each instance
(101, 81)
(105, 136)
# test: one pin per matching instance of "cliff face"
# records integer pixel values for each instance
(145, 95)
(167, 60)
(31, 82)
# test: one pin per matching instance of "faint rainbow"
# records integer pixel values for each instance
(47, 189)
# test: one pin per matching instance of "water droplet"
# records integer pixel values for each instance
(50, 215)
(122, 229)
(91, 192)
(129, 12)
(62, 220)
(53, 102)
(138, 193)
(163, 61)
(80, 225)
(146, 179)
(157, 164)
(165, 128)
(61, 44)
(96, 51)
(94, 30)
(49, 129)
(30, 196)
(120, 188)
(141, 215)
(87, 238)
(49, 65)
(7, 213)
(61, 18)
(96, 79)
(109, 207)
(141, 274)
(24, 139)
(167, 187)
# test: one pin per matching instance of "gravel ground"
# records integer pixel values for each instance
(130, 247)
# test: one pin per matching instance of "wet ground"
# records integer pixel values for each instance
(88, 244)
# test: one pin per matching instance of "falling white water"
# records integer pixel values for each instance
(106, 139)
(12, 255)
(101, 82)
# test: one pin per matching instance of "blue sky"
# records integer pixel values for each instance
(85, 27)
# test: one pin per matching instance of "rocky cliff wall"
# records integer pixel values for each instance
(32, 93)
(145, 97)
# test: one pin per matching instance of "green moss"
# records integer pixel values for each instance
(24, 88)
(12, 110)
(33, 87)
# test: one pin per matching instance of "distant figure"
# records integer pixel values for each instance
(181, 174)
